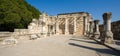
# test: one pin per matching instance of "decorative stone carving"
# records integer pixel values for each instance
(107, 35)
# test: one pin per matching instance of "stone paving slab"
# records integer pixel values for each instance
(58, 46)
(115, 46)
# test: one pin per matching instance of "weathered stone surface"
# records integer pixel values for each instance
(96, 29)
(79, 18)
(33, 37)
(68, 23)
(107, 35)
(9, 41)
(91, 29)
(115, 28)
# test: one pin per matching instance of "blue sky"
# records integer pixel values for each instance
(95, 7)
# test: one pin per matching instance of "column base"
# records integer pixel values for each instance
(74, 33)
(109, 41)
(84, 34)
(96, 35)
(66, 33)
(108, 37)
(57, 33)
(91, 35)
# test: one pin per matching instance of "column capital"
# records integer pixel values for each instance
(91, 22)
(84, 17)
(107, 16)
(96, 21)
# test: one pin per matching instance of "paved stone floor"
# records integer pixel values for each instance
(57, 46)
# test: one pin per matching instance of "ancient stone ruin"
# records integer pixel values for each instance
(76, 23)
(107, 35)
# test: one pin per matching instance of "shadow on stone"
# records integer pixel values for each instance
(79, 37)
(84, 41)
(102, 51)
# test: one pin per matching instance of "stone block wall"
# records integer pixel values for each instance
(4, 35)
(21, 31)
(115, 26)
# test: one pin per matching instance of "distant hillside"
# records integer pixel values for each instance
(16, 14)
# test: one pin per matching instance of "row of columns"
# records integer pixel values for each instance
(91, 29)
(66, 25)
(106, 35)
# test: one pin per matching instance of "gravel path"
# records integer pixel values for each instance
(57, 46)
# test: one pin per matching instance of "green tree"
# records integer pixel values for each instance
(16, 14)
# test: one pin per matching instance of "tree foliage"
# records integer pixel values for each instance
(16, 14)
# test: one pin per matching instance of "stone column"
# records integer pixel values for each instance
(48, 33)
(87, 32)
(57, 26)
(107, 35)
(96, 29)
(91, 28)
(66, 26)
(53, 31)
(85, 25)
(74, 25)
(88, 29)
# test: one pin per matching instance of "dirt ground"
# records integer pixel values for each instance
(57, 46)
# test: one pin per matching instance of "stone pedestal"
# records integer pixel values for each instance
(107, 35)
(96, 29)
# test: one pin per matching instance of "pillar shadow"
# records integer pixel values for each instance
(101, 51)
(83, 41)
(79, 37)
